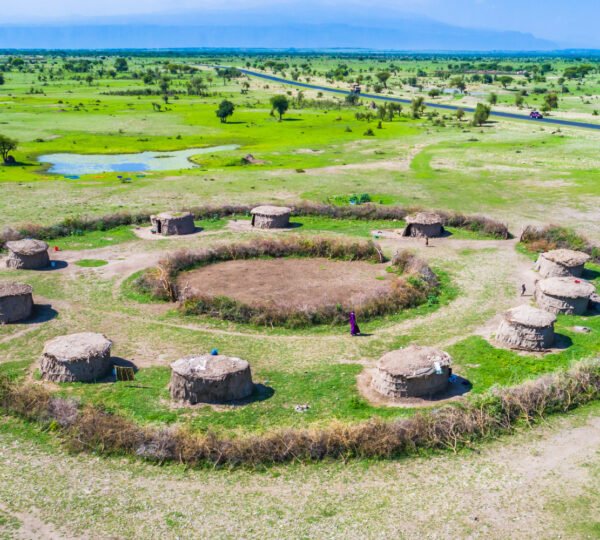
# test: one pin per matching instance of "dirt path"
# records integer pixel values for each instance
(515, 488)
(399, 164)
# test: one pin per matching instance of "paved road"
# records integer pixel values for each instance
(512, 116)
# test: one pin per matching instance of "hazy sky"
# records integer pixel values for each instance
(568, 23)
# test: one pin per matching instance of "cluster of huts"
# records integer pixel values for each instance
(561, 290)
(411, 372)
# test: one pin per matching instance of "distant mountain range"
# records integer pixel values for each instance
(256, 30)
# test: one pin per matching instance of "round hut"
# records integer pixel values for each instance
(210, 379)
(561, 263)
(527, 328)
(271, 217)
(570, 296)
(412, 372)
(28, 254)
(16, 302)
(173, 223)
(83, 357)
(423, 225)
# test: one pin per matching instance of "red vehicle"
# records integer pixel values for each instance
(536, 115)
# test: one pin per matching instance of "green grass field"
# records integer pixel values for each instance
(515, 172)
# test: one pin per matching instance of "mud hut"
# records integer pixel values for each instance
(570, 296)
(271, 217)
(28, 254)
(83, 357)
(561, 263)
(210, 379)
(16, 302)
(527, 328)
(173, 223)
(412, 372)
(423, 225)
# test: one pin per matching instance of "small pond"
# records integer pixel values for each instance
(78, 164)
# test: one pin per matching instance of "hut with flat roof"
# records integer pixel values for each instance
(271, 217)
(173, 223)
(210, 379)
(27, 254)
(16, 302)
(423, 225)
(561, 263)
(412, 372)
(527, 328)
(82, 357)
(567, 295)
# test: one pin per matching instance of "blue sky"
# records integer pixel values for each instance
(567, 23)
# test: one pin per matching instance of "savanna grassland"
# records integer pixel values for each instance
(328, 150)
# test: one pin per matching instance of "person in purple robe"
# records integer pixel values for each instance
(354, 329)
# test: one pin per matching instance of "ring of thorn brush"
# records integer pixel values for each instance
(292, 281)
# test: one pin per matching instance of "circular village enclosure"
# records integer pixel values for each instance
(292, 281)
(234, 329)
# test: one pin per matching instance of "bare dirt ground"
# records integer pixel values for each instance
(537, 484)
(296, 283)
(145, 233)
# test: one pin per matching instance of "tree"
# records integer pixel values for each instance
(519, 99)
(505, 80)
(1, 78)
(7, 145)
(460, 114)
(493, 98)
(434, 92)
(280, 104)
(121, 65)
(458, 83)
(89, 79)
(352, 98)
(417, 105)
(225, 110)
(481, 114)
(551, 101)
(383, 77)
(196, 86)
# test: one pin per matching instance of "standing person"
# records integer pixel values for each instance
(354, 329)
(427, 240)
(523, 289)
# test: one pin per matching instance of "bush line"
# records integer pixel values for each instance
(79, 225)
(91, 428)
(541, 239)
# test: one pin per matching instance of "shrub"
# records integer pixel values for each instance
(540, 239)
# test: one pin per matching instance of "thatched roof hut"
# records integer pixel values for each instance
(173, 223)
(570, 296)
(412, 372)
(561, 263)
(83, 357)
(210, 379)
(527, 328)
(271, 217)
(423, 225)
(27, 254)
(16, 302)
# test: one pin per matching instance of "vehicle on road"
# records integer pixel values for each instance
(536, 115)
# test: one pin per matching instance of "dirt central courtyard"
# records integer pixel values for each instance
(302, 283)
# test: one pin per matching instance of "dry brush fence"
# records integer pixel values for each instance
(414, 284)
(90, 428)
(79, 225)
